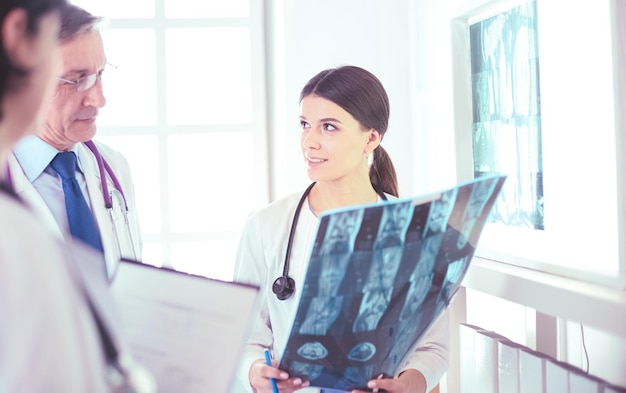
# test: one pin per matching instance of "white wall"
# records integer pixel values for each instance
(407, 44)
(308, 36)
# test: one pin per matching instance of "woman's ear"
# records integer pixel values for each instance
(17, 43)
(374, 139)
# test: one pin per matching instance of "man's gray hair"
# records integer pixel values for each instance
(76, 21)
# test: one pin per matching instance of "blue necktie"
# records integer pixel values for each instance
(82, 224)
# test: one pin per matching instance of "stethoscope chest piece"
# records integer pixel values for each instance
(283, 287)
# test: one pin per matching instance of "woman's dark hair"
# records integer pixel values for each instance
(35, 10)
(363, 96)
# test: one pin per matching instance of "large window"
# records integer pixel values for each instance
(569, 157)
(185, 105)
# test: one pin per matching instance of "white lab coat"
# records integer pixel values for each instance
(48, 339)
(89, 165)
(260, 260)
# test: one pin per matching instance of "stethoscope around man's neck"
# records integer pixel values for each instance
(103, 167)
(284, 286)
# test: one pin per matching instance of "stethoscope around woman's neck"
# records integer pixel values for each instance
(284, 286)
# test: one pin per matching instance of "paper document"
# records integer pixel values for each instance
(379, 275)
(188, 330)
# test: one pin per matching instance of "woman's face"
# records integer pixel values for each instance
(334, 144)
(40, 56)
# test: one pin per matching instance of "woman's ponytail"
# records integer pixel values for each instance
(382, 172)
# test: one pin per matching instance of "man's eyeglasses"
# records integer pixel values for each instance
(86, 82)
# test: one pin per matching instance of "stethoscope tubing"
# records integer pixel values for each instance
(104, 168)
(292, 231)
(284, 286)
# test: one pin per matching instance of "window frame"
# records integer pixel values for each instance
(255, 22)
(507, 247)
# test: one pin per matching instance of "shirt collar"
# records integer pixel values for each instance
(34, 155)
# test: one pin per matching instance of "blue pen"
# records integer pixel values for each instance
(268, 361)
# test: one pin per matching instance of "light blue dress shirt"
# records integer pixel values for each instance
(34, 156)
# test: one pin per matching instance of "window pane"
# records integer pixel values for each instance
(130, 88)
(211, 181)
(208, 76)
(152, 253)
(142, 153)
(510, 320)
(206, 9)
(211, 258)
(506, 128)
(118, 8)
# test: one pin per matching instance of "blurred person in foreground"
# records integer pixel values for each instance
(55, 334)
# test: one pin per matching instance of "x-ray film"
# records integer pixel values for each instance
(379, 275)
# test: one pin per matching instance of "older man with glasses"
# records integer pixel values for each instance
(78, 187)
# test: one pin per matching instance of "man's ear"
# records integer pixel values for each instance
(16, 41)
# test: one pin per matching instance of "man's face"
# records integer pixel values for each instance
(72, 115)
